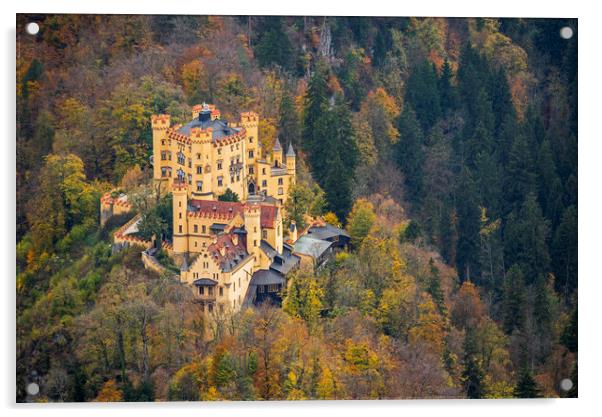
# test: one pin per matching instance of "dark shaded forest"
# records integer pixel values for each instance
(447, 148)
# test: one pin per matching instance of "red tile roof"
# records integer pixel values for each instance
(226, 210)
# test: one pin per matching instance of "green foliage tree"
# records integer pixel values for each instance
(228, 195)
(360, 221)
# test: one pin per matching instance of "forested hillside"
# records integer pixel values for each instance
(446, 147)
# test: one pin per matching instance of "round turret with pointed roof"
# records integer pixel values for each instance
(290, 151)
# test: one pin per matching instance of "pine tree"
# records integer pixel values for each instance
(520, 176)
(564, 249)
(526, 386)
(316, 105)
(448, 234)
(472, 373)
(448, 95)
(410, 154)
(423, 95)
(334, 167)
(525, 239)
(513, 301)
(469, 225)
(274, 46)
(289, 126)
(501, 99)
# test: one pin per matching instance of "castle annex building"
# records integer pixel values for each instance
(210, 155)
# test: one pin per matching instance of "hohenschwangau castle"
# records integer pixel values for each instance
(230, 253)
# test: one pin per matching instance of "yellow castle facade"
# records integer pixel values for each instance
(212, 155)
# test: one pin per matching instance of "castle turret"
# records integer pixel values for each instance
(290, 161)
(160, 123)
(180, 218)
(277, 153)
(253, 228)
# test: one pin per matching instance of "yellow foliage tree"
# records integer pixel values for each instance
(109, 392)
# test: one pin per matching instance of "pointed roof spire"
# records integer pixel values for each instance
(290, 151)
(277, 145)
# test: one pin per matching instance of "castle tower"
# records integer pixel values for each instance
(290, 161)
(277, 153)
(250, 122)
(253, 228)
(160, 123)
(180, 218)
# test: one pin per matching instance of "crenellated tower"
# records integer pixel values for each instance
(253, 229)
(160, 123)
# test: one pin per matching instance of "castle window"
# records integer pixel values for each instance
(264, 183)
(231, 179)
(280, 181)
(163, 142)
(199, 169)
(219, 165)
(280, 191)
(264, 234)
(181, 158)
(163, 155)
(198, 156)
(221, 291)
(196, 228)
(210, 290)
(237, 146)
(255, 243)
(196, 244)
(219, 151)
(201, 290)
(231, 148)
(238, 178)
(199, 185)
(251, 154)
(189, 178)
(180, 215)
(251, 170)
(210, 307)
(263, 171)
(180, 229)
(220, 181)
(204, 229)
(163, 172)
(190, 163)
(169, 155)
